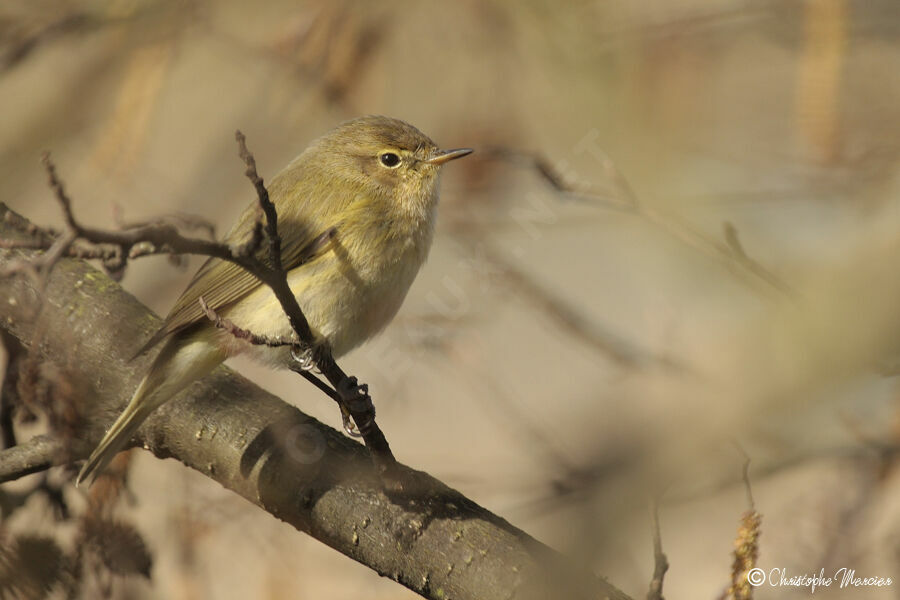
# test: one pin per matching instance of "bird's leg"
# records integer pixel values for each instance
(305, 364)
(356, 401)
(356, 404)
(303, 356)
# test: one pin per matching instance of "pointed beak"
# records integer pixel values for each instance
(442, 156)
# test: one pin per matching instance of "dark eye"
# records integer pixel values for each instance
(389, 159)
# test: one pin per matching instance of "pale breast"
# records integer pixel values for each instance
(346, 298)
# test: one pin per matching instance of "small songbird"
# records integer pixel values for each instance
(374, 182)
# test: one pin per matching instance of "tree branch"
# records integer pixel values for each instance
(36, 455)
(353, 399)
(431, 539)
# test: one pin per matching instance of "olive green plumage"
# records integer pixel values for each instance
(373, 179)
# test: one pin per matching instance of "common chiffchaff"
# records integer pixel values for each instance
(375, 180)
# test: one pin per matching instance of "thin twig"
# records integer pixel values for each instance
(37, 454)
(660, 561)
(303, 365)
(243, 334)
(746, 545)
(354, 397)
(745, 475)
(623, 198)
(264, 202)
(182, 220)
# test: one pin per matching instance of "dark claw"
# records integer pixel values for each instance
(355, 400)
(349, 425)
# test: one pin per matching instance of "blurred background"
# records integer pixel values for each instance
(675, 248)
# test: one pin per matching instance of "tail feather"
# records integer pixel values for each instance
(118, 435)
(180, 362)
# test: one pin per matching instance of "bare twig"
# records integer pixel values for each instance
(623, 198)
(745, 474)
(38, 267)
(182, 220)
(660, 561)
(159, 236)
(243, 334)
(436, 542)
(265, 203)
(301, 355)
(740, 256)
(37, 454)
(353, 397)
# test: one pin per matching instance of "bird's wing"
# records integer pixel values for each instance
(221, 282)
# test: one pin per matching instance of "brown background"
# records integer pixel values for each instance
(557, 361)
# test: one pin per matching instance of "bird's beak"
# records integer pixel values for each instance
(442, 156)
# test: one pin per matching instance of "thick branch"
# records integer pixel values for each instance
(433, 540)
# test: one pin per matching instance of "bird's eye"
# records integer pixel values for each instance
(389, 159)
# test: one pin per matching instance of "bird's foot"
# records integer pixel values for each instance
(356, 405)
(304, 356)
(349, 425)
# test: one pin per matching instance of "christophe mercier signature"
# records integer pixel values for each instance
(842, 578)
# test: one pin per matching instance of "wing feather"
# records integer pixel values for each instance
(305, 238)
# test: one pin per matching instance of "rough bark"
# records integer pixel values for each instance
(432, 539)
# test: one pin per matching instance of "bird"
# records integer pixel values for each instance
(373, 182)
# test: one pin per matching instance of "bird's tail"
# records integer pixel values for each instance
(179, 363)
